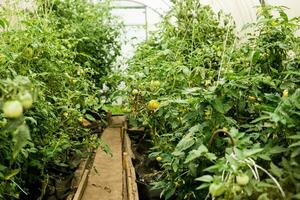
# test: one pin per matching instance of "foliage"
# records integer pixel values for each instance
(57, 52)
(229, 108)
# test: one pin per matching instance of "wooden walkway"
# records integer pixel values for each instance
(108, 179)
(106, 176)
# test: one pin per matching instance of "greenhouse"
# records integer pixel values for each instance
(149, 100)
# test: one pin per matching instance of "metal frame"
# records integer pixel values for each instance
(145, 7)
(262, 2)
(141, 6)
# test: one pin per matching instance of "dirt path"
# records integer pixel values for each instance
(105, 179)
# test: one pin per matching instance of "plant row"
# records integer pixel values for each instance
(222, 108)
(53, 56)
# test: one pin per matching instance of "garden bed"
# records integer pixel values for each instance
(146, 168)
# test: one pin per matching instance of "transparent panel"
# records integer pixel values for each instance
(131, 16)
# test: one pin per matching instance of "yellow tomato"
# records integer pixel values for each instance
(84, 122)
(153, 105)
(274, 23)
(207, 113)
(158, 159)
(207, 82)
(66, 114)
(252, 98)
(285, 93)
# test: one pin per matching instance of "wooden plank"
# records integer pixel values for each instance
(79, 173)
(128, 176)
(106, 176)
(129, 168)
(109, 117)
(125, 185)
(82, 185)
(127, 145)
(122, 137)
(126, 123)
(125, 192)
(131, 178)
(134, 188)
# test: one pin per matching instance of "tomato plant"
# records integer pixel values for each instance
(53, 61)
(227, 122)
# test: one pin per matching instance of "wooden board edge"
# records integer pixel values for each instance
(82, 185)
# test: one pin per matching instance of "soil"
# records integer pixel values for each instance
(145, 167)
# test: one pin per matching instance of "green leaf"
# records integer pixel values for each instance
(3, 23)
(295, 137)
(195, 154)
(251, 152)
(276, 170)
(264, 157)
(255, 56)
(296, 196)
(221, 106)
(210, 156)
(90, 117)
(11, 174)
(169, 192)
(295, 153)
(175, 165)
(21, 138)
(2, 167)
(185, 143)
(205, 178)
(297, 144)
(32, 120)
(263, 196)
(203, 186)
(277, 149)
(195, 128)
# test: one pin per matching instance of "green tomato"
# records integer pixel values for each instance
(12, 109)
(242, 179)
(216, 189)
(28, 53)
(263, 197)
(154, 85)
(135, 92)
(236, 188)
(26, 100)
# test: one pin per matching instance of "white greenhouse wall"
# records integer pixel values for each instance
(293, 6)
(244, 11)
